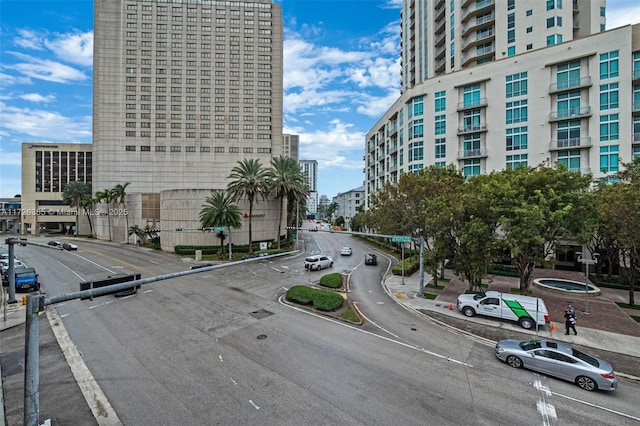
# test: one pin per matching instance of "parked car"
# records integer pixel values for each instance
(525, 310)
(25, 279)
(317, 262)
(370, 259)
(346, 251)
(69, 246)
(54, 244)
(558, 360)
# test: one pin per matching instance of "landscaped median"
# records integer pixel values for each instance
(325, 302)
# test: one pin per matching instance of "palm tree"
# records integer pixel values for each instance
(286, 180)
(248, 180)
(119, 195)
(219, 210)
(73, 194)
(139, 232)
(87, 203)
(106, 196)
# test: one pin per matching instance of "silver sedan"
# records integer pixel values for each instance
(558, 360)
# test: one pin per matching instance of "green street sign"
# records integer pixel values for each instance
(401, 238)
(219, 228)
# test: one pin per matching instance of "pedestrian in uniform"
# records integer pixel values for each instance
(569, 321)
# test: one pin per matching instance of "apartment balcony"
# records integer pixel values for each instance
(478, 54)
(393, 149)
(393, 168)
(440, 65)
(441, 51)
(439, 3)
(576, 8)
(575, 143)
(480, 8)
(570, 114)
(636, 105)
(439, 26)
(636, 73)
(469, 154)
(440, 39)
(576, 83)
(439, 12)
(636, 138)
(465, 3)
(478, 39)
(393, 129)
(479, 23)
(472, 128)
(474, 103)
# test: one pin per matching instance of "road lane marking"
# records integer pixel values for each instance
(609, 410)
(546, 409)
(72, 271)
(130, 265)
(220, 356)
(254, 405)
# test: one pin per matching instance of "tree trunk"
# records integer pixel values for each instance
(250, 229)
(280, 220)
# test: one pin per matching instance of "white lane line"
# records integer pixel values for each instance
(93, 394)
(545, 408)
(220, 356)
(154, 262)
(72, 271)
(96, 264)
(254, 405)
(398, 342)
(233, 381)
(609, 410)
(147, 291)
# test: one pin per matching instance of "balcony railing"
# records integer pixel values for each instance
(480, 20)
(479, 7)
(479, 38)
(474, 103)
(574, 83)
(636, 72)
(636, 105)
(636, 137)
(472, 153)
(565, 114)
(584, 142)
(472, 128)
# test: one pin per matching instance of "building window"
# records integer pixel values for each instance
(471, 168)
(218, 149)
(145, 148)
(529, 12)
(472, 145)
(529, 30)
(609, 65)
(130, 148)
(511, 50)
(416, 109)
(471, 95)
(568, 134)
(176, 148)
(603, 11)
(516, 160)
(609, 127)
(471, 120)
(517, 84)
(205, 149)
(511, 21)
(517, 112)
(511, 36)
(568, 75)
(570, 159)
(416, 151)
(529, 46)
(554, 39)
(440, 101)
(234, 149)
(609, 96)
(517, 139)
(609, 159)
(511, 4)
(416, 129)
(441, 148)
(440, 125)
(568, 104)
(161, 148)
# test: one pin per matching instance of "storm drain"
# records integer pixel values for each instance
(260, 313)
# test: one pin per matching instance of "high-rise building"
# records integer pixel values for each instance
(291, 146)
(183, 90)
(572, 100)
(348, 204)
(310, 169)
(440, 36)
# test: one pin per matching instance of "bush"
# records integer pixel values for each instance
(411, 266)
(333, 280)
(326, 300)
(300, 294)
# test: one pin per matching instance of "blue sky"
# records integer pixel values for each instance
(341, 73)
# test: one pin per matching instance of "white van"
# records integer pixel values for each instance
(525, 310)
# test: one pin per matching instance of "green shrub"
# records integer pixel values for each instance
(411, 266)
(300, 294)
(326, 300)
(333, 280)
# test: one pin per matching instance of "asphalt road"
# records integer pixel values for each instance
(219, 347)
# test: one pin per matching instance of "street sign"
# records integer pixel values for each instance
(400, 238)
(219, 228)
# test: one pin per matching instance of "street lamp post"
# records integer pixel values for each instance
(587, 262)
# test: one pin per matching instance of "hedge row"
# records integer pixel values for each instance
(333, 280)
(322, 300)
(191, 250)
(411, 266)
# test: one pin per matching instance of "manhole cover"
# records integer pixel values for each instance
(262, 336)
(260, 313)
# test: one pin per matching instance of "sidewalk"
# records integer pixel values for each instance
(444, 308)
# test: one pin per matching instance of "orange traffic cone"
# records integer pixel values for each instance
(451, 306)
(553, 327)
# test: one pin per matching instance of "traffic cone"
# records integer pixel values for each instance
(451, 306)
(553, 327)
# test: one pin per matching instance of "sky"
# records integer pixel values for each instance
(341, 73)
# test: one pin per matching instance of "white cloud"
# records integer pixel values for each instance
(44, 69)
(76, 48)
(373, 106)
(10, 80)
(28, 39)
(36, 97)
(8, 158)
(44, 125)
(624, 13)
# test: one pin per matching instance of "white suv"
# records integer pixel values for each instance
(318, 262)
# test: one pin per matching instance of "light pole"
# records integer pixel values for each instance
(587, 262)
